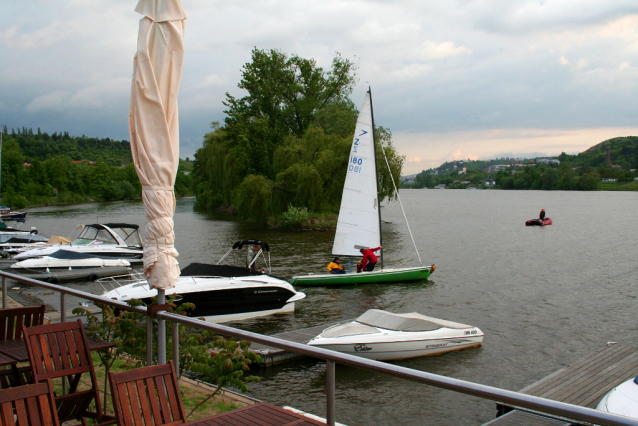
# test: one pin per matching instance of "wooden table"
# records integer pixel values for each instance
(259, 414)
(17, 348)
(7, 360)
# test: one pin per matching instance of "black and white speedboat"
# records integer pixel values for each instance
(222, 292)
(106, 241)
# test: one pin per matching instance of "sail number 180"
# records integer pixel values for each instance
(355, 164)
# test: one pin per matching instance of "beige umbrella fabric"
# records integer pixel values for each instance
(154, 130)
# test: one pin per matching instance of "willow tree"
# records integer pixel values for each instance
(294, 128)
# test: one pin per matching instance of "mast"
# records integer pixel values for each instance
(376, 173)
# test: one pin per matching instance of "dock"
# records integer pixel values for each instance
(273, 356)
(582, 383)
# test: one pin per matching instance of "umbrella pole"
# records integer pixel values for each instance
(161, 330)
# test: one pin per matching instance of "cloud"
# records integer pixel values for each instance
(468, 78)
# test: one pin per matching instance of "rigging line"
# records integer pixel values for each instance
(396, 191)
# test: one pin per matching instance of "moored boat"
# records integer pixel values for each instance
(108, 240)
(63, 259)
(387, 336)
(622, 400)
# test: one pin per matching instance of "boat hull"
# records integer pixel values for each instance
(395, 350)
(380, 276)
(218, 297)
(538, 222)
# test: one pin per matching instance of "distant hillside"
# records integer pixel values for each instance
(623, 150)
(42, 146)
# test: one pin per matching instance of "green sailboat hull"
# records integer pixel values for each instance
(378, 276)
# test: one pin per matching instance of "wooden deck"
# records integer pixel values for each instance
(263, 414)
(273, 356)
(582, 383)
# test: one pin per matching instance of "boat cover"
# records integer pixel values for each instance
(405, 322)
(207, 270)
(349, 329)
(69, 254)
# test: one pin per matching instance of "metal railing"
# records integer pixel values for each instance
(498, 395)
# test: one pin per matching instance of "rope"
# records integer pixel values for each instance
(396, 191)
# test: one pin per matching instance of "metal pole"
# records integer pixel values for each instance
(4, 293)
(62, 307)
(330, 392)
(176, 348)
(161, 330)
(149, 340)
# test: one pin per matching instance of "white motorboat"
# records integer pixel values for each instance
(63, 260)
(386, 336)
(107, 241)
(221, 292)
(622, 400)
(12, 243)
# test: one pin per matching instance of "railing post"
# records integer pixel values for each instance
(330, 392)
(62, 307)
(161, 330)
(4, 293)
(149, 338)
(175, 335)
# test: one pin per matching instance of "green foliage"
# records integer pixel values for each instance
(217, 360)
(294, 218)
(253, 197)
(40, 168)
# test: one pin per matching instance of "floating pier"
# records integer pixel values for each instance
(583, 383)
(273, 356)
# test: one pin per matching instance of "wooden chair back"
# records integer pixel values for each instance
(13, 319)
(32, 405)
(61, 351)
(147, 396)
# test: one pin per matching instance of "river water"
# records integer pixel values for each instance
(543, 296)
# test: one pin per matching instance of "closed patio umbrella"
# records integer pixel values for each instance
(154, 130)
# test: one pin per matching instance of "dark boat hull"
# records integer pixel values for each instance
(234, 301)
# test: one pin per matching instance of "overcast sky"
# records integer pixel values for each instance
(451, 79)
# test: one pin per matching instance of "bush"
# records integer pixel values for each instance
(294, 218)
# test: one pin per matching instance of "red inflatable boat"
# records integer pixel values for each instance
(538, 222)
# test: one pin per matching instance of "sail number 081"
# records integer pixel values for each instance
(355, 164)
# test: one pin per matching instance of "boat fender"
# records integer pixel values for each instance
(33, 231)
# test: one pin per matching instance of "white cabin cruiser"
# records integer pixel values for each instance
(622, 400)
(65, 260)
(14, 243)
(386, 336)
(106, 241)
(222, 292)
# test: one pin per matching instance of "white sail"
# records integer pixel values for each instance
(358, 225)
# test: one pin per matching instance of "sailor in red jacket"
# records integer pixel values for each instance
(369, 258)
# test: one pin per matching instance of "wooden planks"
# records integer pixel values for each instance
(273, 356)
(262, 414)
(585, 382)
(582, 383)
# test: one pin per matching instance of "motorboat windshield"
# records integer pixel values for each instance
(110, 233)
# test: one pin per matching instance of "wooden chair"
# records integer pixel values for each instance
(31, 405)
(11, 322)
(60, 351)
(147, 396)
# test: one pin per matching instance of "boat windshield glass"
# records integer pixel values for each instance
(94, 235)
(130, 235)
